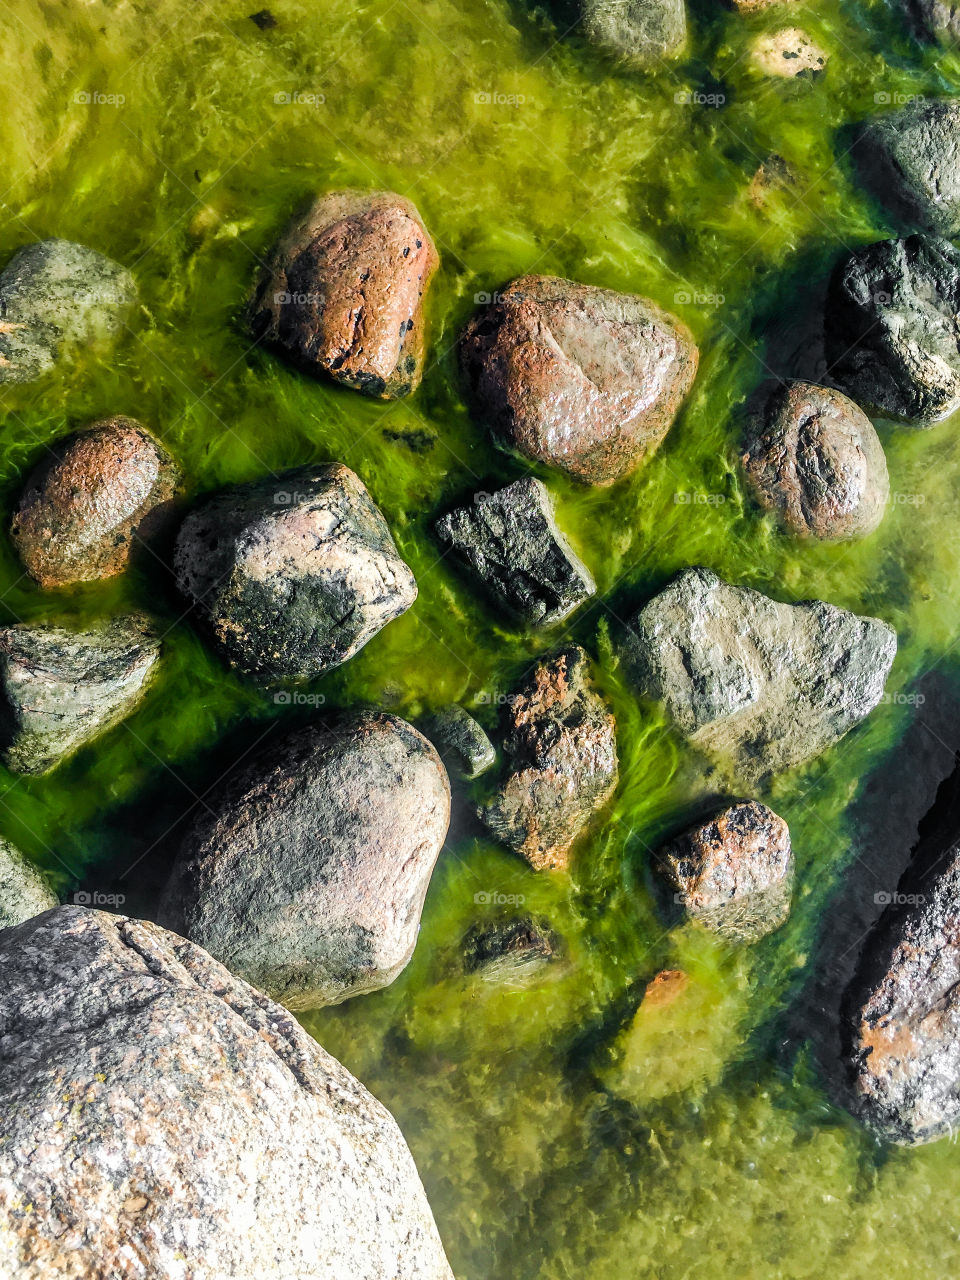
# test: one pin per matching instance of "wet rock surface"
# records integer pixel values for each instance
(588, 380)
(513, 950)
(734, 873)
(510, 540)
(54, 296)
(787, 53)
(60, 689)
(307, 875)
(814, 459)
(90, 498)
(756, 685)
(639, 32)
(893, 327)
(159, 1109)
(936, 20)
(342, 293)
(292, 575)
(563, 762)
(910, 159)
(462, 742)
(24, 892)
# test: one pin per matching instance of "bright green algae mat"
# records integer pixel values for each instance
(713, 1149)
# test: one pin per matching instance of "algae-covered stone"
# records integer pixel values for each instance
(511, 951)
(54, 296)
(24, 892)
(462, 742)
(60, 689)
(639, 32)
(911, 160)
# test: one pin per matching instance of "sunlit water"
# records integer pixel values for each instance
(552, 1143)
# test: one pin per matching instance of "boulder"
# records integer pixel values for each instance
(935, 20)
(514, 950)
(89, 499)
(163, 1119)
(787, 53)
(642, 33)
(893, 327)
(292, 575)
(756, 685)
(463, 744)
(911, 159)
(307, 874)
(733, 874)
(56, 296)
(342, 292)
(60, 689)
(511, 542)
(563, 762)
(24, 892)
(814, 459)
(588, 380)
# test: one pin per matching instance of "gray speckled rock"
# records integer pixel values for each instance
(755, 684)
(640, 32)
(293, 575)
(55, 295)
(892, 327)
(60, 689)
(163, 1119)
(24, 892)
(733, 874)
(511, 542)
(307, 876)
(937, 20)
(562, 743)
(911, 159)
(462, 742)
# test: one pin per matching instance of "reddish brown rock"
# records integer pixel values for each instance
(585, 379)
(91, 498)
(342, 293)
(564, 752)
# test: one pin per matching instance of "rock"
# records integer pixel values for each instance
(640, 32)
(910, 160)
(563, 753)
(585, 379)
(755, 6)
(937, 20)
(164, 1119)
(264, 20)
(307, 875)
(773, 175)
(511, 950)
(342, 292)
(756, 685)
(24, 892)
(292, 575)
(511, 542)
(462, 742)
(734, 874)
(89, 499)
(60, 689)
(787, 54)
(814, 459)
(54, 296)
(893, 327)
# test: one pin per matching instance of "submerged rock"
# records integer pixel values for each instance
(585, 379)
(893, 327)
(462, 742)
(910, 160)
(307, 875)
(640, 32)
(54, 296)
(89, 499)
(937, 20)
(511, 542)
(24, 893)
(814, 458)
(60, 689)
(563, 750)
(755, 684)
(511, 950)
(342, 292)
(162, 1118)
(787, 54)
(292, 575)
(734, 874)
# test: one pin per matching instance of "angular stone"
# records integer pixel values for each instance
(756, 685)
(511, 542)
(640, 32)
(163, 1119)
(292, 576)
(24, 893)
(60, 689)
(911, 160)
(462, 742)
(511, 950)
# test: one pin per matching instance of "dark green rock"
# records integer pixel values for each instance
(510, 950)
(462, 742)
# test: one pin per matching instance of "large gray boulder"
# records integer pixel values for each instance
(642, 33)
(162, 1119)
(935, 20)
(24, 892)
(292, 575)
(756, 685)
(60, 689)
(55, 296)
(911, 159)
(892, 327)
(307, 875)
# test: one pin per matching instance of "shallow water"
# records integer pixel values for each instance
(710, 1146)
